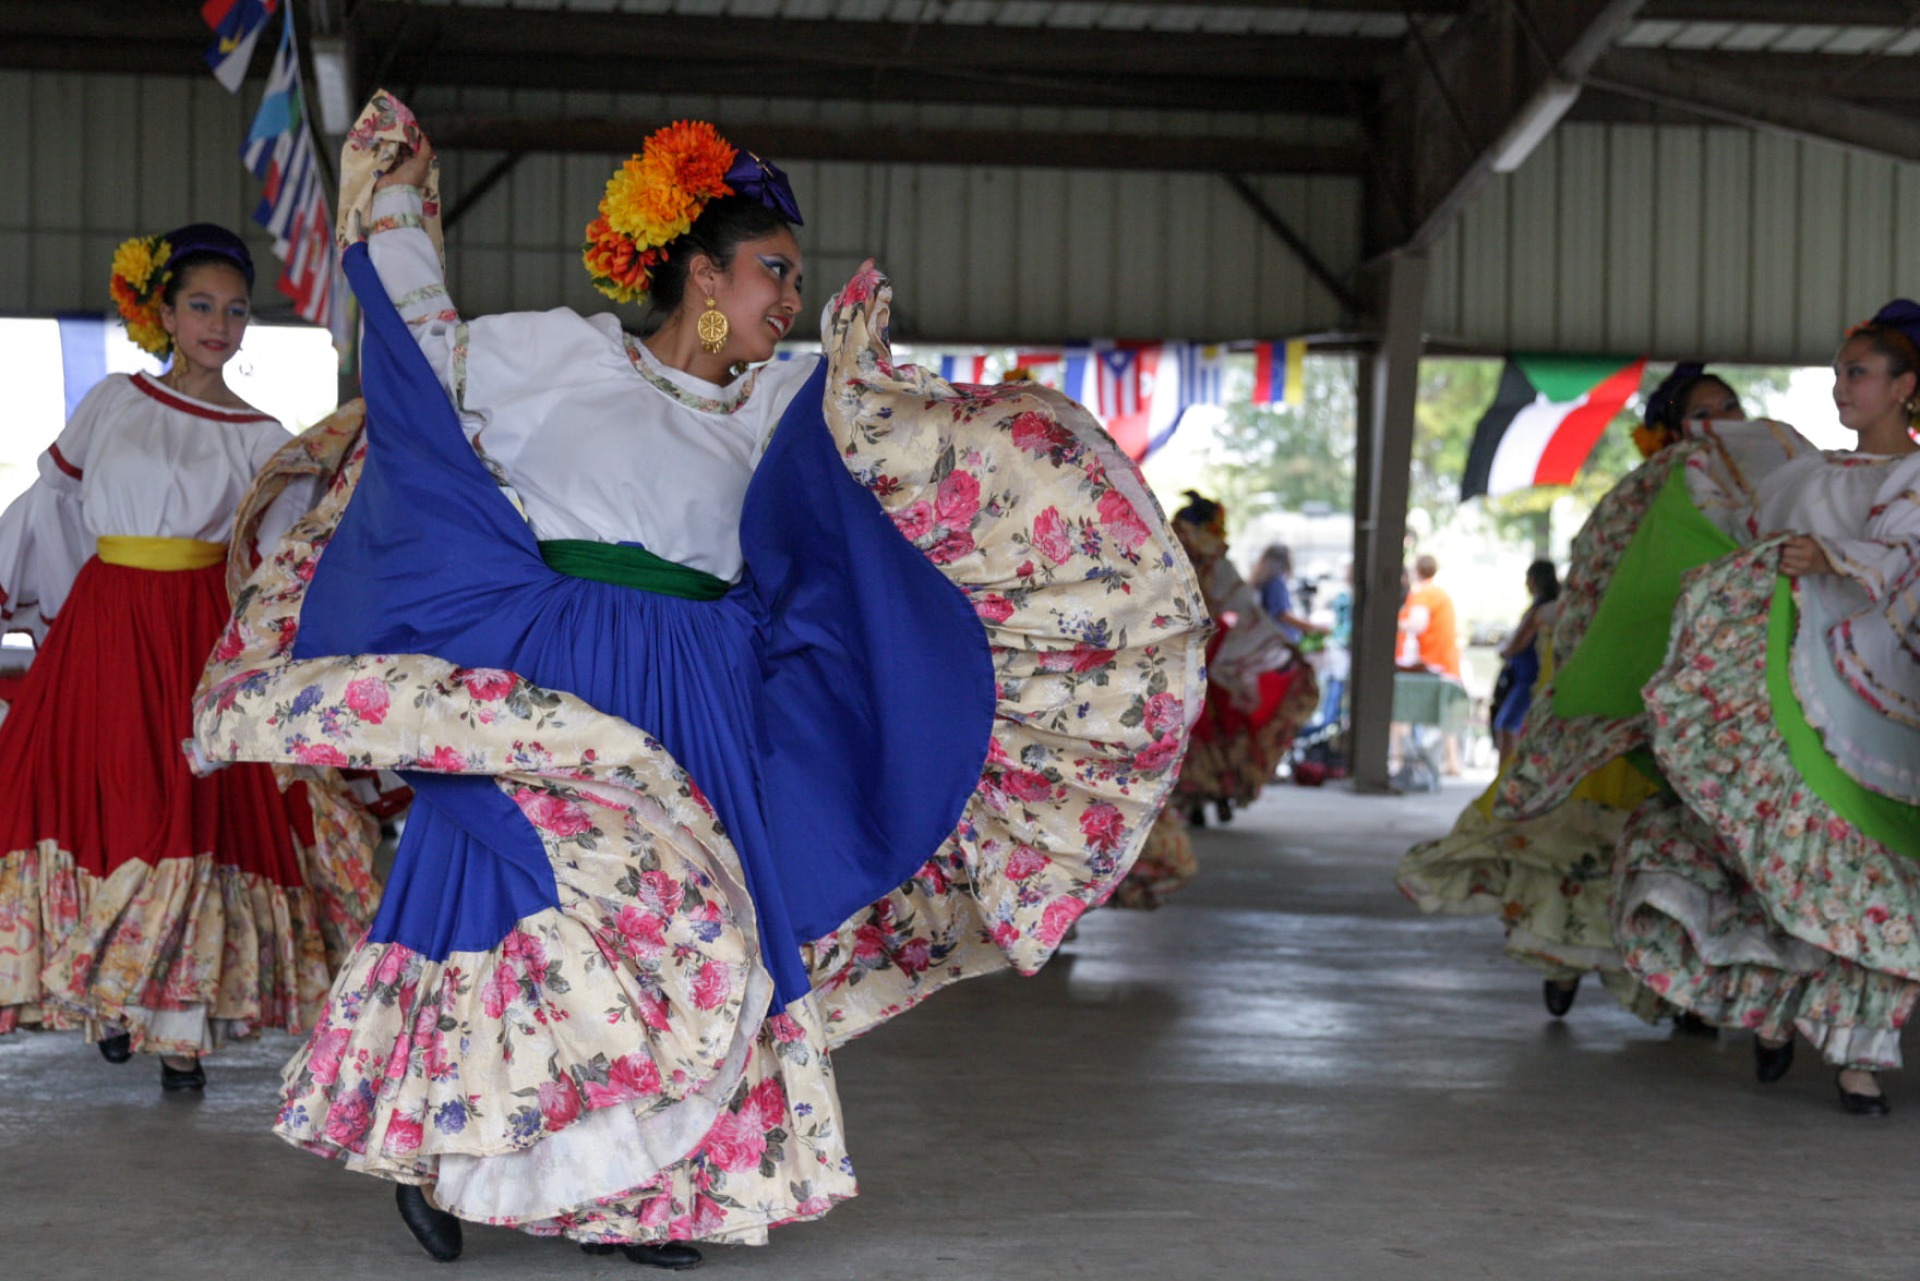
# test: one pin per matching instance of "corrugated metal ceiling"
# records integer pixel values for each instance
(1375, 20)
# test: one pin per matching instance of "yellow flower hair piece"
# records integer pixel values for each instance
(654, 199)
(139, 278)
(1651, 440)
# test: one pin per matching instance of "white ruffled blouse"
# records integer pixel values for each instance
(597, 438)
(137, 458)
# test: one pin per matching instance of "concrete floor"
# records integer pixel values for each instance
(1285, 1073)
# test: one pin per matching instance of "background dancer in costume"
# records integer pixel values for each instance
(162, 911)
(1775, 887)
(1521, 655)
(744, 707)
(1259, 689)
(1545, 866)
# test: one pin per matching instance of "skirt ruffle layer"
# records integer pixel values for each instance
(1164, 867)
(1548, 879)
(1097, 630)
(182, 956)
(1757, 905)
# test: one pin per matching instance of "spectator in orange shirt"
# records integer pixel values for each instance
(1428, 635)
(1429, 639)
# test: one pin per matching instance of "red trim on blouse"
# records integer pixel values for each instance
(194, 407)
(60, 461)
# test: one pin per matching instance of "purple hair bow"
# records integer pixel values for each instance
(762, 179)
(1902, 314)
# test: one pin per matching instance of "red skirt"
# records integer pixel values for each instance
(128, 886)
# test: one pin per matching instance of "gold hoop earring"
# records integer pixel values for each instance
(712, 328)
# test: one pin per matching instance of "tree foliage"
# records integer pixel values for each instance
(1277, 459)
(1267, 459)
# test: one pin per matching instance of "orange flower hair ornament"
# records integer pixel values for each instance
(138, 279)
(653, 200)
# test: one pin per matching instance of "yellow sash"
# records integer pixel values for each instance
(160, 553)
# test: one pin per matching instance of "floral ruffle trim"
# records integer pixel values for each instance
(1791, 914)
(1694, 933)
(1165, 866)
(523, 1092)
(232, 950)
(1097, 630)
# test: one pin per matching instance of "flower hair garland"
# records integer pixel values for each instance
(139, 278)
(654, 199)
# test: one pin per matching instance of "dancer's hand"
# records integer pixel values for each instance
(1803, 555)
(411, 169)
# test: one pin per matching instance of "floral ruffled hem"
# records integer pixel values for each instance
(489, 1078)
(1097, 631)
(1548, 879)
(1761, 908)
(1165, 866)
(1703, 941)
(182, 956)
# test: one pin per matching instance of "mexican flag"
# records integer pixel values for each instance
(1545, 419)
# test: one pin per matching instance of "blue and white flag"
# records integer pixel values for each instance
(293, 198)
(237, 25)
(1203, 373)
(279, 148)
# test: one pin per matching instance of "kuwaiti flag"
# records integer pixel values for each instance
(1545, 419)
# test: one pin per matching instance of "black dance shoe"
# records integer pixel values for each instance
(117, 1048)
(194, 1078)
(1693, 1025)
(1862, 1104)
(1559, 999)
(1770, 1062)
(675, 1256)
(437, 1231)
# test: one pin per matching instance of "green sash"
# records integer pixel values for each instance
(630, 567)
(1892, 823)
(1627, 640)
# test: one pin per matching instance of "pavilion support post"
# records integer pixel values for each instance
(1389, 385)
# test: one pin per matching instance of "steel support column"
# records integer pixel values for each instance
(1389, 387)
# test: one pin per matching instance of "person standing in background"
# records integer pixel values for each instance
(1429, 635)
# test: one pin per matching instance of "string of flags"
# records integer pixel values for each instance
(279, 150)
(1141, 391)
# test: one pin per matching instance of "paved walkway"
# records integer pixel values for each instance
(1285, 1073)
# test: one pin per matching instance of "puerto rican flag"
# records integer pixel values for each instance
(1122, 384)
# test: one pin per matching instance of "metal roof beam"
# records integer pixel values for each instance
(450, 38)
(1679, 81)
(908, 146)
(1461, 95)
(1825, 13)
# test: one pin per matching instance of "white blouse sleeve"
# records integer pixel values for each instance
(44, 539)
(1885, 554)
(503, 373)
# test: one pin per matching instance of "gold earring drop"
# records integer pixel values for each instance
(712, 328)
